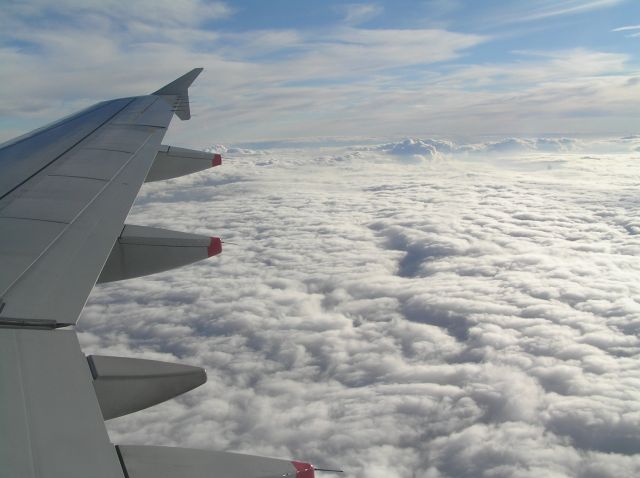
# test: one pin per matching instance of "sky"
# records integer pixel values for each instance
(430, 220)
(286, 69)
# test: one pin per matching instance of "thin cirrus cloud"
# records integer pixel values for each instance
(162, 13)
(523, 12)
(626, 28)
(629, 28)
(413, 308)
(355, 13)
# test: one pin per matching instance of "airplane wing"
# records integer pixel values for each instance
(65, 192)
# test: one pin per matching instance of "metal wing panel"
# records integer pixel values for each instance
(58, 277)
(54, 198)
(123, 137)
(153, 114)
(91, 163)
(21, 242)
(27, 155)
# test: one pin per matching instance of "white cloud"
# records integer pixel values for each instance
(356, 13)
(158, 13)
(451, 318)
(417, 148)
(626, 28)
(535, 11)
(506, 147)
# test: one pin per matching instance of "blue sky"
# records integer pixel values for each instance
(519, 24)
(286, 69)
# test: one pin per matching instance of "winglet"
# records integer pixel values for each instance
(180, 88)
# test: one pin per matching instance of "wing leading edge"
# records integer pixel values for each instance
(65, 191)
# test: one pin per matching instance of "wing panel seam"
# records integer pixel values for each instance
(78, 176)
(25, 404)
(21, 218)
(68, 149)
(97, 148)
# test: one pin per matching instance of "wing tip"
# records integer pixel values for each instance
(180, 85)
(180, 88)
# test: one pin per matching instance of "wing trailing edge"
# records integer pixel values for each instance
(169, 462)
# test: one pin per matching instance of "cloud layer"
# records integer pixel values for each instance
(465, 315)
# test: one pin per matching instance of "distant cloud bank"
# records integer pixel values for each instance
(435, 148)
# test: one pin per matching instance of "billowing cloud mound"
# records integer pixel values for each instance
(430, 148)
(518, 145)
(465, 320)
(220, 148)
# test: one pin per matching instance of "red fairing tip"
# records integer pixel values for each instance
(217, 160)
(303, 470)
(215, 246)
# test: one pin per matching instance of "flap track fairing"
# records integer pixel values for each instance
(173, 162)
(142, 250)
(126, 385)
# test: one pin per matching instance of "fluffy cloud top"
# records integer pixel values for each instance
(467, 318)
(420, 147)
(430, 148)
